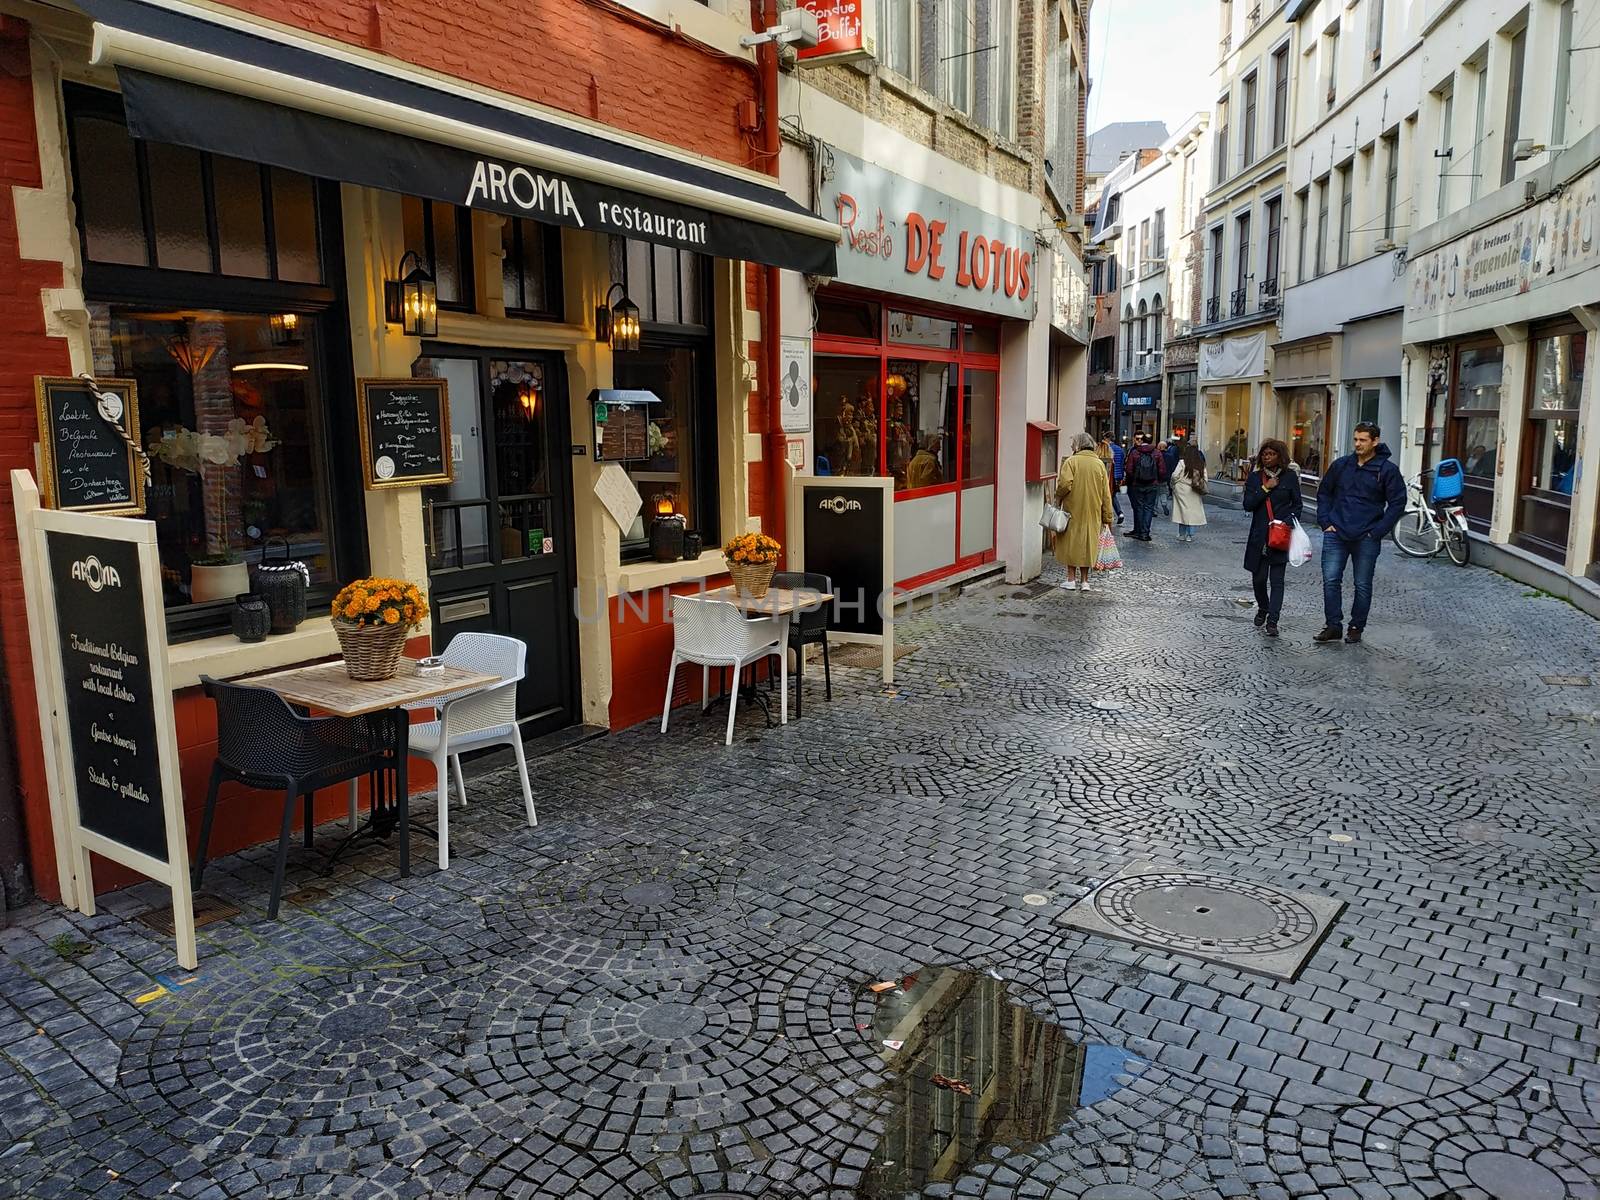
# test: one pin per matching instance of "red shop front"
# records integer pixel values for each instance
(912, 391)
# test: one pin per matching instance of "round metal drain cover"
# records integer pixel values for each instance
(1036, 899)
(1205, 913)
(1508, 1176)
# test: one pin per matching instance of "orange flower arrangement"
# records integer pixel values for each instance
(751, 549)
(380, 602)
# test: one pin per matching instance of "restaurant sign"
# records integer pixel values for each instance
(906, 239)
(841, 32)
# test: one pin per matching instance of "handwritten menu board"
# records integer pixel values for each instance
(108, 689)
(87, 465)
(405, 432)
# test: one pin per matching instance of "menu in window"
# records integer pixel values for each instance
(88, 453)
(405, 432)
(622, 424)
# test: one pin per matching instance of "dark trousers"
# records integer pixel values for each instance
(1116, 500)
(1144, 509)
(1268, 580)
(1336, 552)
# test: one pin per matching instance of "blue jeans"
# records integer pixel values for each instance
(1144, 509)
(1336, 552)
(1116, 502)
(1185, 530)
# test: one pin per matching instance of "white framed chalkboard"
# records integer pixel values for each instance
(405, 432)
(89, 459)
(95, 604)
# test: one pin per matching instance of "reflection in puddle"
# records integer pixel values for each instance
(1026, 1078)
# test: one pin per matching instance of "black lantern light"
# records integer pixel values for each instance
(412, 301)
(617, 324)
(667, 531)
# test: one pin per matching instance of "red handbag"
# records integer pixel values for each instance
(1278, 532)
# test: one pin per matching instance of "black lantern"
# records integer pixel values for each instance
(617, 324)
(412, 301)
(667, 532)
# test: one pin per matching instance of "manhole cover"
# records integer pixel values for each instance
(1036, 899)
(1235, 921)
(206, 910)
(1507, 1176)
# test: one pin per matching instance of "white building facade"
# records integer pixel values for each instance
(1503, 281)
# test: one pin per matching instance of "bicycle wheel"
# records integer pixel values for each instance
(1456, 543)
(1416, 535)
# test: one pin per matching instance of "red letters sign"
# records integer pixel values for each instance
(839, 28)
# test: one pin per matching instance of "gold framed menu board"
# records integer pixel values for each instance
(405, 432)
(88, 460)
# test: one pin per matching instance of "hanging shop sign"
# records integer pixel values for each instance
(93, 591)
(909, 240)
(794, 384)
(87, 459)
(843, 527)
(405, 432)
(841, 32)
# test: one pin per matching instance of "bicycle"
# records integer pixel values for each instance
(1430, 526)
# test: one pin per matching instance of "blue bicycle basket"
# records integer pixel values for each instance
(1447, 480)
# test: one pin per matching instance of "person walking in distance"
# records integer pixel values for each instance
(1271, 493)
(1147, 471)
(1083, 491)
(1361, 498)
(1112, 457)
(1188, 493)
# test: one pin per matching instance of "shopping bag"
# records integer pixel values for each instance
(1054, 519)
(1299, 546)
(1110, 559)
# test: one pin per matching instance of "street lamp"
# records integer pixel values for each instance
(412, 301)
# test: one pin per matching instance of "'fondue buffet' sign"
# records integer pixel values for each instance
(906, 239)
(405, 432)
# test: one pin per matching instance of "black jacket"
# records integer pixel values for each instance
(1362, 501)
(1285, 506)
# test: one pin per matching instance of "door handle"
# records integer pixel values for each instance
(464, 610)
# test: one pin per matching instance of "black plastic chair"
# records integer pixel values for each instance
(808, 627)
(264, 743)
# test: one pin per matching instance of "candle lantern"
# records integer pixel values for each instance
(667, 532)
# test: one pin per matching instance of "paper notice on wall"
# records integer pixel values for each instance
(616, 491)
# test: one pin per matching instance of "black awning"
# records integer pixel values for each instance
(466, 150)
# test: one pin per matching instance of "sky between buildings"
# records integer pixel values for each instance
(1150, 60)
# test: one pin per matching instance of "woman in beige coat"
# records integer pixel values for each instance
(1083, 492)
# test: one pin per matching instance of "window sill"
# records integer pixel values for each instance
(641, 577)
(226, 657)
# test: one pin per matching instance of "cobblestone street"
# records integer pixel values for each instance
(666, 988)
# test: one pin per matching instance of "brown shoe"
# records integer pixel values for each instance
(1352, 636)
(1329, 633)
(1271, 631)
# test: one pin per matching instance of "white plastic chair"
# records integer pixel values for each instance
(473, 719)
(715, 633)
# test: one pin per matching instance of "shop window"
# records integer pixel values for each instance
(981, 339)
(530, 272)
(149, 204)
(849, 317)
(979, 409)
(914, 329)
(441, 235)
(1182, 404)
(1550, 444)
(667, 284)
(919, 423)
(1475, 426)
(846, 399)
(1308, 431)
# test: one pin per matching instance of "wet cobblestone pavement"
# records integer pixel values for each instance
(665, 989)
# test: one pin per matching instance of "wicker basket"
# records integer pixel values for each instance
(371, 651)
(752, 579)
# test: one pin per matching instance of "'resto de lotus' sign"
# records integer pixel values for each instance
(906, 239)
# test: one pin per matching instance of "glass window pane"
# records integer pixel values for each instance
(978, 421)
(846, 316)
(1479, 438)
(690, 309)
(638, 282)
(108, 192)
(671, 471)
(1478, 379)
(534, 295)
(1554, 455)
(914, 329)
(413, 226)
(294, 215)
(516, 398)
(458, 536)
(446, 254)
(511, 265)
(233, 426)
(845, 393)
(1558, 373)
(241, 217)
(982, 339)
(178, 197)
(666, 306)
(919, 403)
(1308, 434)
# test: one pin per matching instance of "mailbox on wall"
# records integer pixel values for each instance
(1044, 451)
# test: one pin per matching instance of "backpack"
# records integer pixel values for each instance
(1144, 468)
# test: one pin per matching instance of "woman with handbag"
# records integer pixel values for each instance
(1188, 493)
(1084, 494)
(1272, 498)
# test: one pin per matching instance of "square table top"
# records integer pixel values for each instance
(328, 687)
(778, 602)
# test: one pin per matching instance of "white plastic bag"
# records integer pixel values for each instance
(1299, 546)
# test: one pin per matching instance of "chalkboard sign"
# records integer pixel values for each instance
(843, 539)
(108, 690)
(86, 463)
(405, 432)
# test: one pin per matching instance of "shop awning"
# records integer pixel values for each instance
(219, 82)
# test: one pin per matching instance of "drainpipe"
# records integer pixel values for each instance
(772, 322)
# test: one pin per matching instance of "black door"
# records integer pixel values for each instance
(500, 553)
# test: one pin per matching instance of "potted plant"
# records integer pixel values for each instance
(217, 577)
(372, 618)
(752, 558)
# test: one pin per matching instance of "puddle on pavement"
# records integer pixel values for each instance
(1026, 1078)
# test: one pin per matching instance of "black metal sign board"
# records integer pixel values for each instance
(843, 539)
(108, 690)
(405, 432)
(88, 462)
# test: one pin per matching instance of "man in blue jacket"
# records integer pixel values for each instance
(1360, 499)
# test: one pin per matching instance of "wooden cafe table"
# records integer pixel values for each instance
(782, 603)
(327, 687)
